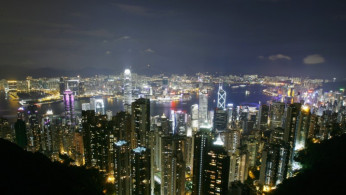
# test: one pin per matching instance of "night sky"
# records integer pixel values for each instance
(270, 37)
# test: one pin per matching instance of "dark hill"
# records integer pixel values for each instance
(323, 170)
(23, 172)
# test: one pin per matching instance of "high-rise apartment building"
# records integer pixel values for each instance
(127, 90)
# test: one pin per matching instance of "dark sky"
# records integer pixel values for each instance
(281, 37)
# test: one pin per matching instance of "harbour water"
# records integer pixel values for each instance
(237, 96)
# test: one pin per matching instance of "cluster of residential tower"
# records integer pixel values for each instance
(199, 151)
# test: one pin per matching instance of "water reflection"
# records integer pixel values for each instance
(237, 96)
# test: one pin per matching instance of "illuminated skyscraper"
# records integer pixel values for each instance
(302, 128)
(33, 129)
(96, 139)
(179, 120)
(277, 110)
(122, 168)
(141, 171)
(194, 117)
(262, 117)
(140, 123)
(202, 143)
(221, 98)
(69, 107)
(97, 104)
(173, 164)
(273, 166)
(291, 118)
(127, 90)
(46, 133)
(203, 107)
(217, 169)
(220, 120)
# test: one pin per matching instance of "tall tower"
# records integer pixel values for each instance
(203, 106)
(216, 169)
(69, 106)
(273, 165)
(122, 168)
(302, 128)
(20, 129)
(201, 144)
(141, 171)
(221, 98)
(127, 90)
(33, 129)
(140, 123)
(262, 117)
(173, 164)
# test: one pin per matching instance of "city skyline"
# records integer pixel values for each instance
(172, 97)
(189, 135)
(232, 37)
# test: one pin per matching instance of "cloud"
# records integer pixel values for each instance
(149, 50)
(314, 59)
(123, 38)
(279, 57)
(134, 9)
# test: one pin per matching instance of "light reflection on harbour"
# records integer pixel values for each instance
(237, 96)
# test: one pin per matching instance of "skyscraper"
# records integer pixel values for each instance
(122, 168)
(127, 90)
(140, 123)
(173, 164)
(217, 169)
(61, 85)
(276, 113)
(262, 119)
(33, 129)
(194, 117)
(203, 107)
(69, 107)
(201, 145)
(221, 98)
(121, 123)
(302, 128)
(20, 131)
(291, 118)
(46, 133)
(141, 171)
(220, 120)
(96, 139)
(97, 104)
(273, 166)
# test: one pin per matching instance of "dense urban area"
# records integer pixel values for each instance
(168, 134)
